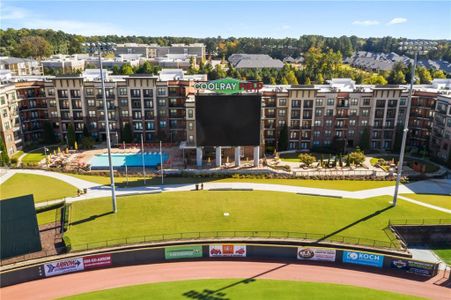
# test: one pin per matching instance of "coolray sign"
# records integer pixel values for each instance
(97, 261)
(227, 250)
(414, 267)
(182, 252)
(363, 258)
(229, 86)
(64, 266)
(312, 253)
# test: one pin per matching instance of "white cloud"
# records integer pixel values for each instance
(12, 13)
(366, 22)
(398, 20)
(77, 27)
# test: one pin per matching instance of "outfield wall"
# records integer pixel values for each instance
(341, 258)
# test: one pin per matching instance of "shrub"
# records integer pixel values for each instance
(67, 243)
(307, 159)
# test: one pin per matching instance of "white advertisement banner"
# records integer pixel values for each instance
(64, 266)
(227, 250)
(312, 253)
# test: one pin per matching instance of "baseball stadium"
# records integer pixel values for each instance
(214, 232)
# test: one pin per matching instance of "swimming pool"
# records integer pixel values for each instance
(151, 160)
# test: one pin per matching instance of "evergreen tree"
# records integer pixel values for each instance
(398, 139)
(127, 69)
(48, 134)
(86, 132)
(4, 155)
(70, 135)
(365, 139)
(127, 134)
(283, 138)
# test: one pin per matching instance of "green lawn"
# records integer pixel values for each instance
(438, 200)
(166, 213)
(241, 289)
(17, 154)
(43, 188)
(444, 254)
(35, 156)
(346, 185)
(47, 216)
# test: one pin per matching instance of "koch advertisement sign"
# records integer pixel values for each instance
(182, 252)
(363, 258)
(414, 267)
(228, 250)
(320, 254)
(97, 261)
(64, 266)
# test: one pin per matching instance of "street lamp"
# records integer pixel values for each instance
(99, 48)
(416, 48)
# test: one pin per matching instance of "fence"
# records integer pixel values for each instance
(282, 235)
(340, 173)
(420, 222)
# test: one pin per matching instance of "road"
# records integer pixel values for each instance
(77, 283)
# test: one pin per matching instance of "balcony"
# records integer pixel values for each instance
(270, 116)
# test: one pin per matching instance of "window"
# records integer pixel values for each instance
(161, 102)
(295, 103)
(190, 113)
(137, 115)
(62, 93)
(92, 113)
(329, 112)
(364, 122)
(6, 125)
(150, 126)
(328, 122)
(319, 102)
(75, 93)
(161, 91)
(402, 102)
(354, 102)
(163, 124)
(147, 93)
(318, 112)
(317, 123)
(135, 93)
(89, 92)
(190, 126)
(327, 133)
(138, 125)
(282, 102)
(51, 92)
(366, 101)
(52, 103)
(148, 103)
(54, 114)
(282, 112)
(365, 112)
(353, 112)
(191, 139)
(351, 132)
(351, 122)
(330, 102)
(125, 113)
(316, 133)
(123, 102)
(2, 100)
(122, 91)
(281, 123)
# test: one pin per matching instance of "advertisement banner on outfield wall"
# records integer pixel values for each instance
(414, 267)
(313, 253)
(63, 266)
(182, 252)
(363, 258)
(227, 250)
(97, 261)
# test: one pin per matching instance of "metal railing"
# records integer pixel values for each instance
(419, 222)
(311, 238)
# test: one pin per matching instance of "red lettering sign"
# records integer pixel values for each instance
(97, 261)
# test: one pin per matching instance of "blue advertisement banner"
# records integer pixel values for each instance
(363, 258)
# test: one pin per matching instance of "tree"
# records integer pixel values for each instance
(319, 79)
(337, 145)
(126, 69)
(146, 68)
(127, 135)
(399, 77)
(438, 74)
(307, 159)
(70, 135)
(308, 81)
(282, 144)
(424, 75)
(357, 157)
(4, 155)
(86, 132)
(87, 142)
(48, 134)
(365, 139)
(398, 138)
(284, 80)
(291, 78)
(33, 46)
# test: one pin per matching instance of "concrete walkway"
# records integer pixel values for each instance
(94, 190)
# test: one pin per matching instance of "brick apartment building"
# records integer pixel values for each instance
(164, 109)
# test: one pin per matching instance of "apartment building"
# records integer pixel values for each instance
(153, 50)
(163, 108)
(440, 143)
(20, 66)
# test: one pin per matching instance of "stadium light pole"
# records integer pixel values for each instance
(416, 48)
(100, 48)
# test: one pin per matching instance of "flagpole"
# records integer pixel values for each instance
(161, 165)
(142, 157)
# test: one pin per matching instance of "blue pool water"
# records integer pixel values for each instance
(151, 160)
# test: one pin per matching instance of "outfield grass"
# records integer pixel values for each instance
(47, 217)
(151, 214)
(444, 254)
(345, 185)
(438, 200)
(43, 188)
(236, 289)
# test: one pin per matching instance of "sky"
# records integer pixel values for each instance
(277, 19)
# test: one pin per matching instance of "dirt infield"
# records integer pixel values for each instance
(118, 277)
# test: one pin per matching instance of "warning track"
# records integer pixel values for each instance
(83, 282)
